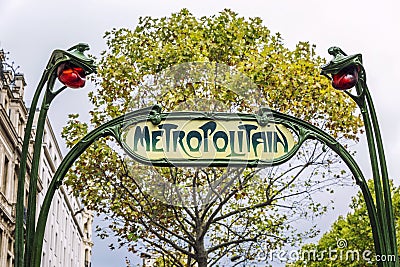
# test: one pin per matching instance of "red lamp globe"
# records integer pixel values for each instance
(71, 75)
(346, 78)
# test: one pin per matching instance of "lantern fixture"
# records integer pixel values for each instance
(71, 75)
(346, 78)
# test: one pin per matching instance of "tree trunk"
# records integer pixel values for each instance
(201, 254)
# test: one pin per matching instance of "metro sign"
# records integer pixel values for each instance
(200, 139)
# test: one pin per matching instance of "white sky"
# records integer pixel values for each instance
(31, 30)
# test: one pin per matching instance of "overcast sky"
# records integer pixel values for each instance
(31, 30)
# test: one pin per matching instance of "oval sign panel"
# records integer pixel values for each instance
(184, 140)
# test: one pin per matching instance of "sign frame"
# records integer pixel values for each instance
(264, 117)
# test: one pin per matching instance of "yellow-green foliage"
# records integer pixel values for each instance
(286, 80)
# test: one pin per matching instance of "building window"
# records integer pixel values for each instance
(65, 226)
(10, 246)
(87, 262)
(16, 171)
(6, 104)
(45, 139)
(21, 127)
(5, 176)
(65, 257)
(56, 246)
(58, 209)
(10, 260)
(1, 244)
(85, 230)
(52, 237)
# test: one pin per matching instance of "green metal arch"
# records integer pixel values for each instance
(113, 128)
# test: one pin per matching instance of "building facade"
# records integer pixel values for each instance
(67, 240)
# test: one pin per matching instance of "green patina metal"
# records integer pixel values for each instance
(381, 215)
(115, 129)
(76, 56)
(385, 230)
(340, 61)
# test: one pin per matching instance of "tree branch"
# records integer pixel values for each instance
(143, 211)
(235, 242)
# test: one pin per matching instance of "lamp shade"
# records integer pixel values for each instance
(346, 78)
(71, 75)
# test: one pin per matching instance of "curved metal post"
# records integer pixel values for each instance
(31, 211)
(19, 228)
(380, 175)
(385, 176)
(19, 224)
(74, 54)
(380, 202)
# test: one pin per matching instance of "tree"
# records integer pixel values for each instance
(349, 242)
(241, 218)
